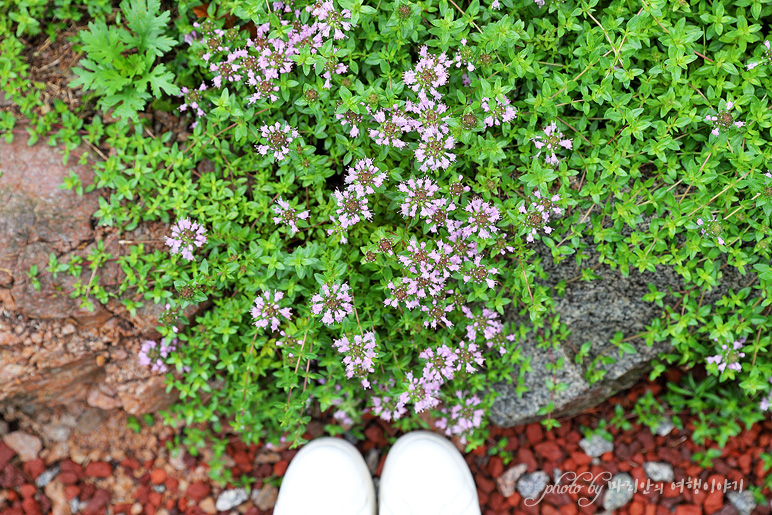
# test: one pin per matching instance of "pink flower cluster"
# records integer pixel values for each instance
(153, 355)
(724, 120)
(359, 354)
(288, 215)
(333, 302)
(262, 60)
(462, 417)
(538, 215)
(728, 357)
(267, 310)
(498, 111)
(352, 204)
(186, 235)
(279, 138)
(551, 142)
(429, 73)
(711, 227)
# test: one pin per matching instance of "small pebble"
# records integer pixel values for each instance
(46, 477)
(596, 446)
(231, 498)
(659, 471)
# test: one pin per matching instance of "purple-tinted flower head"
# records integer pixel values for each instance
(421, 393)
(480, 274)
(729, 356)
(467, 355)
(398, 291)
(498, 111)
(436, 313)
(331, 21)
(457, 187)
(465, 57)
(550, 143)
(193, 99)
(151, 354)
(352, 207)
(482, 219)
(337, 228)
(500, 341)
(333, 302)
(431, 114)
(332, 66)
(359, 354)
(445, 260)
(390, 128)
(420, 196)
(365, 177)
(279, 139)
(430, 73)
(462, 416)
(426, 283)
(486, 323)
(267, 310)
(225, 71)
(538, 214)
(265, 89)
(440, 364)
(462, 245)
(723, 121)
(712, 228)
(287, 215)
(387, 408)
(275, 58)
(418, 255)
(433, 150)
(441, 209)
(349, 117)
(186, 235)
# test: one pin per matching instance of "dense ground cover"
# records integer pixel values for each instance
(360, 183)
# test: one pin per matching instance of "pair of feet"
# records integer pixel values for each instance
(423, 474)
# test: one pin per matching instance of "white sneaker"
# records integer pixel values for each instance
(327, 477)
(424, 474)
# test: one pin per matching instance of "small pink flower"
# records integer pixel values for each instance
(279, 139)
(185, 236)
(288, 215)
(334, 302)
(267, 310)
(551, 142)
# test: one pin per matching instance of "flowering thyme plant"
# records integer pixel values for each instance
(370, 182)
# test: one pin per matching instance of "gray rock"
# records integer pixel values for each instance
(594, 311)
(75, 505)
(3, 427)
(658, 471)
(159, 488)
(619, 491)
(743, 502)
(596, 446)
(58, 432)
(231, 498)
(665, 427)
(46, 477)
(25, 445)
(265, 498)
(506, 482)
(531, 485)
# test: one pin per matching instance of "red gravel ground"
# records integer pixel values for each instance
(157, 491)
